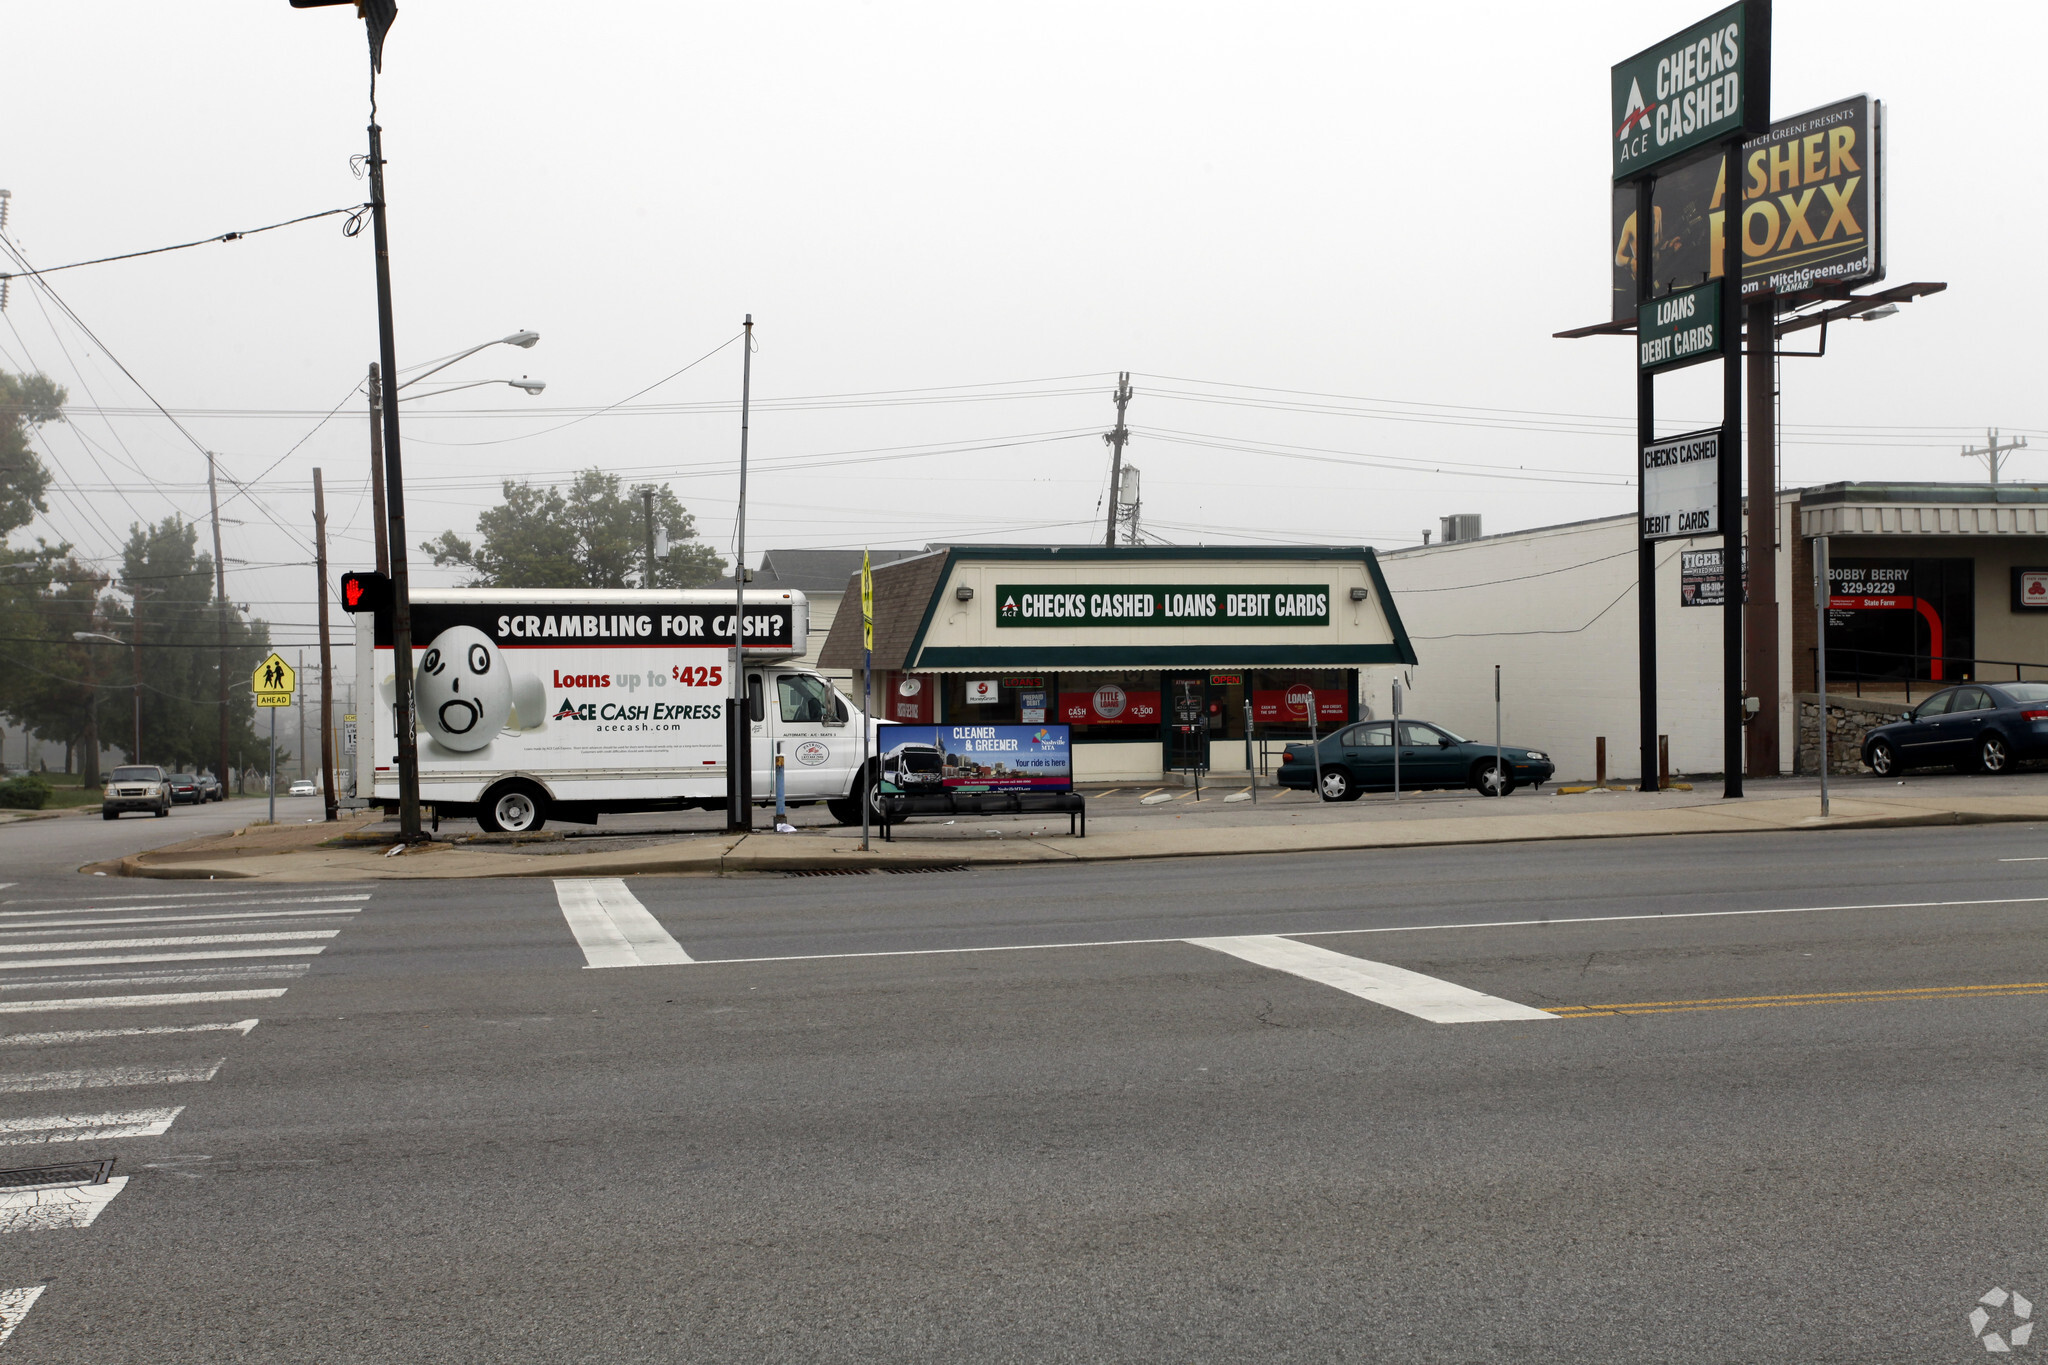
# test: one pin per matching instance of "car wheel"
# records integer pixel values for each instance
(1882, 758)
(163, 810)
(1337, 785)
(1994, 755)
(513, 808)
(1492, 779)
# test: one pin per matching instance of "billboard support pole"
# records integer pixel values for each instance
(1822, 587)
(1760, 628)
(1646, 549)
(1730, 465)
(739, 734)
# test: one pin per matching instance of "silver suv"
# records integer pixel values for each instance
(136, 787)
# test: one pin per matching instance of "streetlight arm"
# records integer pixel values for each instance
(532, 386)
(95, 635)
(523, 339)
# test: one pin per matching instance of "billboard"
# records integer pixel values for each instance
(1812, 211)
(926, 759)
(1684, 92)
(1681, 486)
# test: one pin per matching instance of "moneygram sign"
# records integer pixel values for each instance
(1680, 94)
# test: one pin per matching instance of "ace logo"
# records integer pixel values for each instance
(569, 710)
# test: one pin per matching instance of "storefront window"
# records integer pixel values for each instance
(1110, 706)
(908, 697)
(1280, 699)
(987, 699)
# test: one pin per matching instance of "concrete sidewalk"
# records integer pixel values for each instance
(257, 853)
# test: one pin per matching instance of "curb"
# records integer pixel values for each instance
(735, 861)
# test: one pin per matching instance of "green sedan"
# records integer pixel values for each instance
(1360, 758)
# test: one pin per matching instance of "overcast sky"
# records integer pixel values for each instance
(971, 219)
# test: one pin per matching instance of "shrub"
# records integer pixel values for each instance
(28, 792)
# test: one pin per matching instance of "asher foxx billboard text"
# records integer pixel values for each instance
(1812, 210)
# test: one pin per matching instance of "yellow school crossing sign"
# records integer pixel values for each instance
(274, 682)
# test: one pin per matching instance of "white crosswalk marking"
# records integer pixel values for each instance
(45, 1128)
(221, 917)
(104, 1077)
(111, 1002)
(48, 1208)
(184, 940)
(613, 928)
(14, 1306)
(1425, 997)
(93, 1035)
(163, 900)
(310, 950)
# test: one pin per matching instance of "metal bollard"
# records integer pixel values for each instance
(781, 811)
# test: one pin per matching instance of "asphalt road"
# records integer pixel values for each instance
(1788, 1107)
(64, 841)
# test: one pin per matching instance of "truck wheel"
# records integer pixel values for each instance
(110, 815)
(512, 808)
(846, 809)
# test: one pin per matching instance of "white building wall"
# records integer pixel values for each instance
(1556, 609)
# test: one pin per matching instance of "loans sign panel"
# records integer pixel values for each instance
(1685, 91)
(1680, 329)
(1068, 605)
(1681, 486)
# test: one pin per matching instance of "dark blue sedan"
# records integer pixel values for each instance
(1360, 758)
(1983, 726)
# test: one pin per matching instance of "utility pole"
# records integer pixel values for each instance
(299, 705)
(376, 388)
(739, 744)
(1992, 450)
(220, 616)
(326, 651)
(647, 502)
(135, 648)
(1116, 439)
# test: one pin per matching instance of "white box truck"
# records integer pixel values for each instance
(539, 704)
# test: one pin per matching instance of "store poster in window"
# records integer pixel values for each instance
(929, 759)
(913, 698)
(1289, 706)
(1110, 704)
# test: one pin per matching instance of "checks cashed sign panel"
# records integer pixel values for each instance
(1681, 486)
(1680, 94)
(1068, 605)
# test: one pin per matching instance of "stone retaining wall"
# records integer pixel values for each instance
(1850, 719)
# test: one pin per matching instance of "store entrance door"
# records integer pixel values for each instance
(1187, 721)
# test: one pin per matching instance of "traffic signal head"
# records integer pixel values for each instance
(364, 590)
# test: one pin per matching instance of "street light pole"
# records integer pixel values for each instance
(405, 723)
(739, 786)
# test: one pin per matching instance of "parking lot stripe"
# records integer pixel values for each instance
(613, 928)
(1425, 997)
(47, 1128)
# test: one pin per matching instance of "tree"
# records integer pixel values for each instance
(26, 402)
(594, 536)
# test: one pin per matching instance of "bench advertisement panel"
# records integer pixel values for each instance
(926, 760)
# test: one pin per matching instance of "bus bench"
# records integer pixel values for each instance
(898, 806)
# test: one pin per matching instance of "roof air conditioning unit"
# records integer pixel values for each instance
(1464, 526)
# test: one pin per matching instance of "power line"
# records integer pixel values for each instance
(160, 250)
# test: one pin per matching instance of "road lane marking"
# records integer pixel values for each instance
(182, 941)
(108, 1077)
(613, 928)
(306, 950)
(49, 1208)
(93, 1035)
(2024, 860)
(48, 1128)
(94, 926)
(1750, 1002)
(113, 1002)
(1425, 997)
(1379, 929)
(14, 1306)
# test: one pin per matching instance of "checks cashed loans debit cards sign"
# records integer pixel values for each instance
(1055, 605)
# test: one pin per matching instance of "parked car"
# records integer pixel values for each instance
(136, 786)
(303, 787)
(1983, 726)
(185, 789)
(210, 788)
(1359, 758)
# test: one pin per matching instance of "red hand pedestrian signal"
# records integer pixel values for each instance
(365, 591)
(352, 593)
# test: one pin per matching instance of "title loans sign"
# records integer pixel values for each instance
(1681, 486)
(1685, 91)
(1048, 605)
